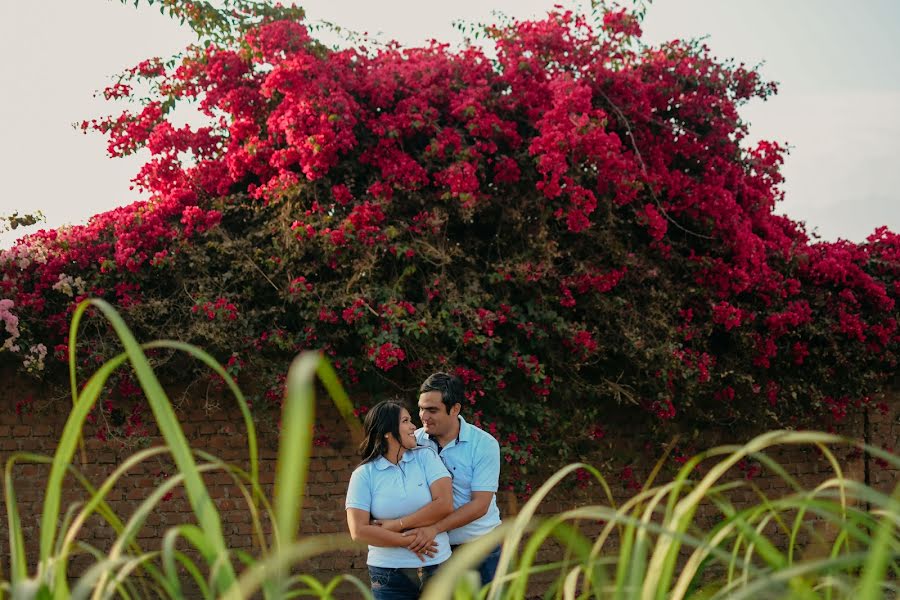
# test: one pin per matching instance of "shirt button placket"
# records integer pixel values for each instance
(402, 478)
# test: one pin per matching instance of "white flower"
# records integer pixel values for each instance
(25, 253)
(69, 286)
(10, 324)
(34, 362)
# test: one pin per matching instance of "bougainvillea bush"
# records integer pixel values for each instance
(568, 218)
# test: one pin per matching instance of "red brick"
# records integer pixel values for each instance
(338, 464)
(325, 477)
(43, 430)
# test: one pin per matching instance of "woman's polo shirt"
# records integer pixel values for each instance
(389, 491)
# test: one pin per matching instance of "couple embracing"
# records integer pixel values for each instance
(418, 494)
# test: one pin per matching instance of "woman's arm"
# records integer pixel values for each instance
(362, 531)
(440, 506)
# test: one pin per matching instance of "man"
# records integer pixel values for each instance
(473, 458)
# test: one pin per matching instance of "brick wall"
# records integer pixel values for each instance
(214, 424)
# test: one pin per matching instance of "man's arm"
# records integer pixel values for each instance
(476, 508)
(485, 482)
(440, 506)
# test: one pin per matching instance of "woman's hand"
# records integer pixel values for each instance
(428, 552)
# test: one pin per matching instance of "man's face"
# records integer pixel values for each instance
(434, 415)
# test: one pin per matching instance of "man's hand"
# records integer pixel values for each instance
(423, 537)
(389, 524)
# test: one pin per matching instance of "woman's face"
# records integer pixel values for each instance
(407, 430)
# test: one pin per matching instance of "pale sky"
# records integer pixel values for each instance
(838, 65)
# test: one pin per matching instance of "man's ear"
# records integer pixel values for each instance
(454, 412)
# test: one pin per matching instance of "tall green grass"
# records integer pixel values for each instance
(212, 566)
(653, 546)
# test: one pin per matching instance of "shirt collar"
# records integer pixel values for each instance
(465, 430)
(381, 463)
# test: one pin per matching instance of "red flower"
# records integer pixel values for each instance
(387, 356)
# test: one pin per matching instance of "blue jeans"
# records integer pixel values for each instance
(399, 584)
(488, 567)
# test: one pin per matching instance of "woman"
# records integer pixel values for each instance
(397, 486)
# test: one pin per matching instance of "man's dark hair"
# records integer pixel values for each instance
(450, 387)
(382, 419)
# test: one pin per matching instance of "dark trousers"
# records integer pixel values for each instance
(488, 567)
(399, 584)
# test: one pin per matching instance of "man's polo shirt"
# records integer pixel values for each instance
(473, 460)
(389, 491)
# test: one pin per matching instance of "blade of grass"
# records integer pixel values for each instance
(361, 587)
(212, 363)
(520, 523)
(92, 504)
(329, 378)
(760, 586)
(121, 578)
(198, 496)
(557, 526)
(295, 446)
(571, 583)
(63, 457)
(86, 583)
(274, 565)
(18, 565)
(170, 556)
(662, 562)
(73, 372)
(140, 514)
(465, 558)
(876, 564)
(241, 478)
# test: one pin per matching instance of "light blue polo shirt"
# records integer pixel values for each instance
(473, 460)
(389, 491)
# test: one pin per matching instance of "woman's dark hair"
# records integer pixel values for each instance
(383, 418)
